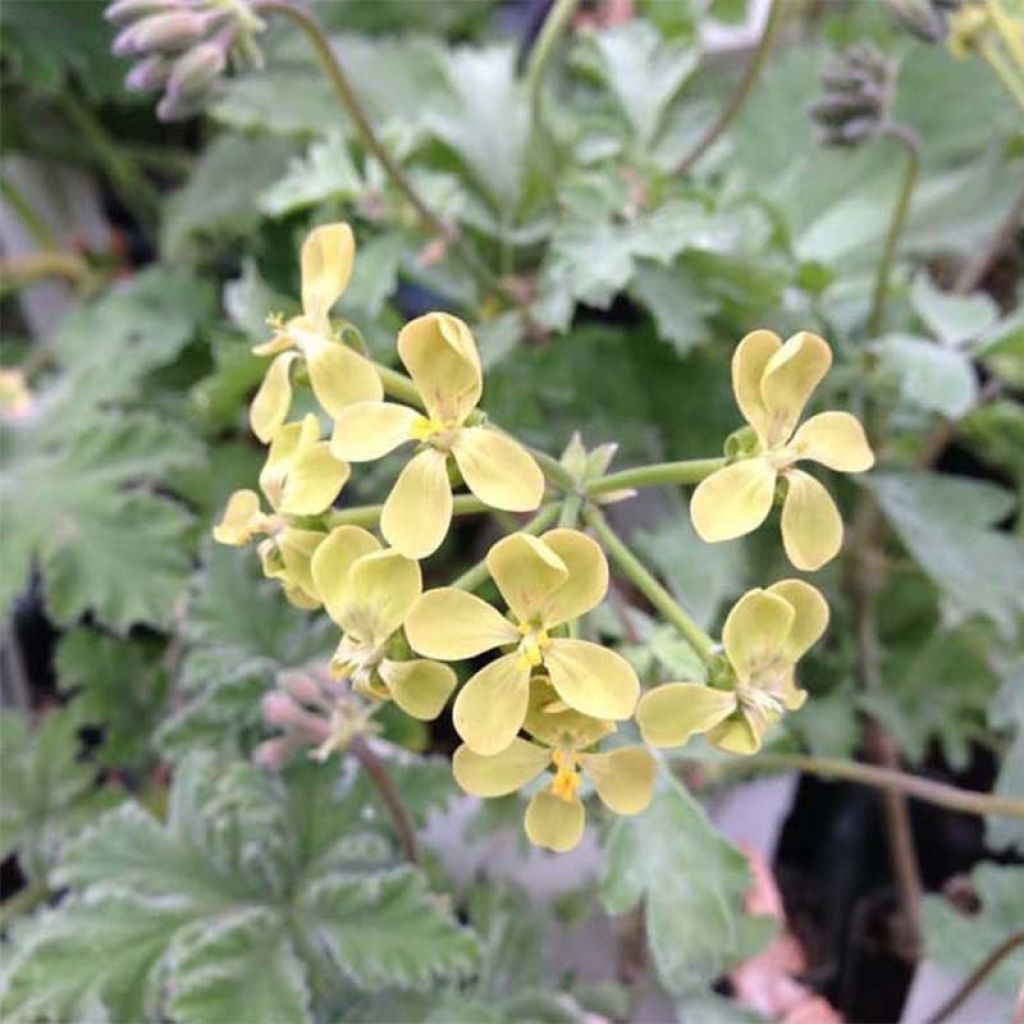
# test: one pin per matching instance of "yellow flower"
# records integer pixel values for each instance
(337, 375)
(764, 636)
(300, 478)
(368, 591)
(16, 400)
(440, 354)
(623, 778)
(546, 582)
(772, 382)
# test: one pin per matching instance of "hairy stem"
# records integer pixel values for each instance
(908, 139)
(740, 94)
(645, 582)
(479, 574)
(977, 977)
(385, 786)
(348, 99)
(928, 791)
(657, 474)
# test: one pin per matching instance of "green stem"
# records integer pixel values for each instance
(555, 472)
(656, 475)
(369, 515)
(37, 227)
(645, 582)
(557, 21)
(381, 779)
(908, 139)
(397, 385)
(346, 94)
(477, 575)
(741, 92)
(927, 790)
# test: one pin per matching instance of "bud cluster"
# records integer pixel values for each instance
(858, 97)
(183, 47)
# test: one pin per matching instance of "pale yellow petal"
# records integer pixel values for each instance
(812, 530)
(550, 720)
(270, 407)
(297, 548)
(327, 257)
(382, 587)
(736, 736)
(592, 679)
(755, 632)
(440, 353)
(418, 511)
(623, 778)
(314, 480)
(587, 583)
(790, 377)
(241, 519)
(490, 708)
(420, 688)
(836, 440)
(669, 715)
(811, 619)
(502, 773)
(368, 430)
(451, 624)
(553, 823)
(340, 377)
(526, 572)
(498, 470)
(332, 563)
(748, 366)
(734, 500)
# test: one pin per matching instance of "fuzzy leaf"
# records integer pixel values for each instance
(930, 376)
(325, 173)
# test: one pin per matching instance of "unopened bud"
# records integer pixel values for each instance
(856, 106)
(195, 69)
(302, 688)
(148, 75)
(171, 30)
(279, 709)
(177, 107)
(120, 12)
(273, 753)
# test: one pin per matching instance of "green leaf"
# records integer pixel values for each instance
(930, 376)
(954, 319)
(325, 173)
(959, 942)
(692, 882)
(48, 792)
(943, 521)
(219, 205)
(679, 305)
(118, 685)
(1006, 714)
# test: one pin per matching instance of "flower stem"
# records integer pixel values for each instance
(479, 574)
(555, 472)
(558, 19)
(369, 515)
(642, 579)
(656, 475)
(908, 139)
(397, 385)
(346, 94)
(940, 794)
(385, 785)
(741, 92)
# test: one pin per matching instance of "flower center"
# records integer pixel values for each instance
(439, 434)
(567, 779)
(357, 661)
(531, 647)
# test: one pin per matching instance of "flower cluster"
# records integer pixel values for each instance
(542, 708)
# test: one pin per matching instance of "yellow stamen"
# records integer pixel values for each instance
(567, 780)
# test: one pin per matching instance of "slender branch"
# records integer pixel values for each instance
(346, 94)
(656, 475)
(397, 385)
(977, 977)
(385, 785)
(897, 222)
(369, 515)
(37, 266)
(34, 223)
(740, 94)
(645, 582)
(478, 574)
(557, 21)
(928, 791)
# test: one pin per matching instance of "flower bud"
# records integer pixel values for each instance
(855, 107)
(273, 753)
(147, 75)
(171, 30)
(120, 12)
(279, 709)
(194, 70)
(302, 688)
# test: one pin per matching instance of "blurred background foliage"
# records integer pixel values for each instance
(140, 262)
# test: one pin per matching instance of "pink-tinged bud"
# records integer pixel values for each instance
(303, 688)
(195, 69)
(273, 753)
(120, 12)
(124, 42)
(172, 30)
(148, 75)
(280, 710)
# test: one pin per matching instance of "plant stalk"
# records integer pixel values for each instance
(908, 139)
(645, 582)
(385, 785)
(740, 94)
(369, 515)
(555, 24)
(657, 474)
